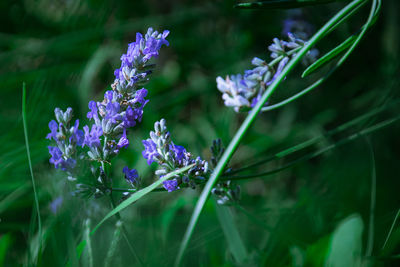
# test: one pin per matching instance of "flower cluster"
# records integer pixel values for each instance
(120, 110)
(112, 117)
(123, 106)
(160, 148)
(67, 138)
(134, 70)
(242, 92)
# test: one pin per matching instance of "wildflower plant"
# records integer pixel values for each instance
(111, 119)
(122, 108)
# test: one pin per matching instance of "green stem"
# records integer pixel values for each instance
(249, 120)
(35, 194)
(370, 243)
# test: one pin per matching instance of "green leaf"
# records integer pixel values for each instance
(329, 56)
(346, 243)
(278, 4)
(231, 234)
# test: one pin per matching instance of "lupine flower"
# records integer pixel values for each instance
(242, 92)
(170, 157)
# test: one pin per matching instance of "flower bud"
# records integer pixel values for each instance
(68, 115)
(163, 125)
(157, 127)
(59, 115)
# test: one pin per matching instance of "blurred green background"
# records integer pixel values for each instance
(66, 51)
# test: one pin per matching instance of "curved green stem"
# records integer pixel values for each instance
(249, 120)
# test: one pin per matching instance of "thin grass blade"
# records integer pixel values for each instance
(282, 4)
(30, 164)
(139, 194)
(231, 233)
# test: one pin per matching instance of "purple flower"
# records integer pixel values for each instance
(77, 135)
(281, 65)
(112, 112)
(139, 97)
(53, 128)
(56, 156)
(132, 115)
(93, 111)
(171, 185)
(58, 161)
(139, 52)
(109, 95)
(131, 176)
(92, 136)
(180, 153)
(150, 150)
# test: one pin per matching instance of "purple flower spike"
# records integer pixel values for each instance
(171, 185)
(150, 150)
